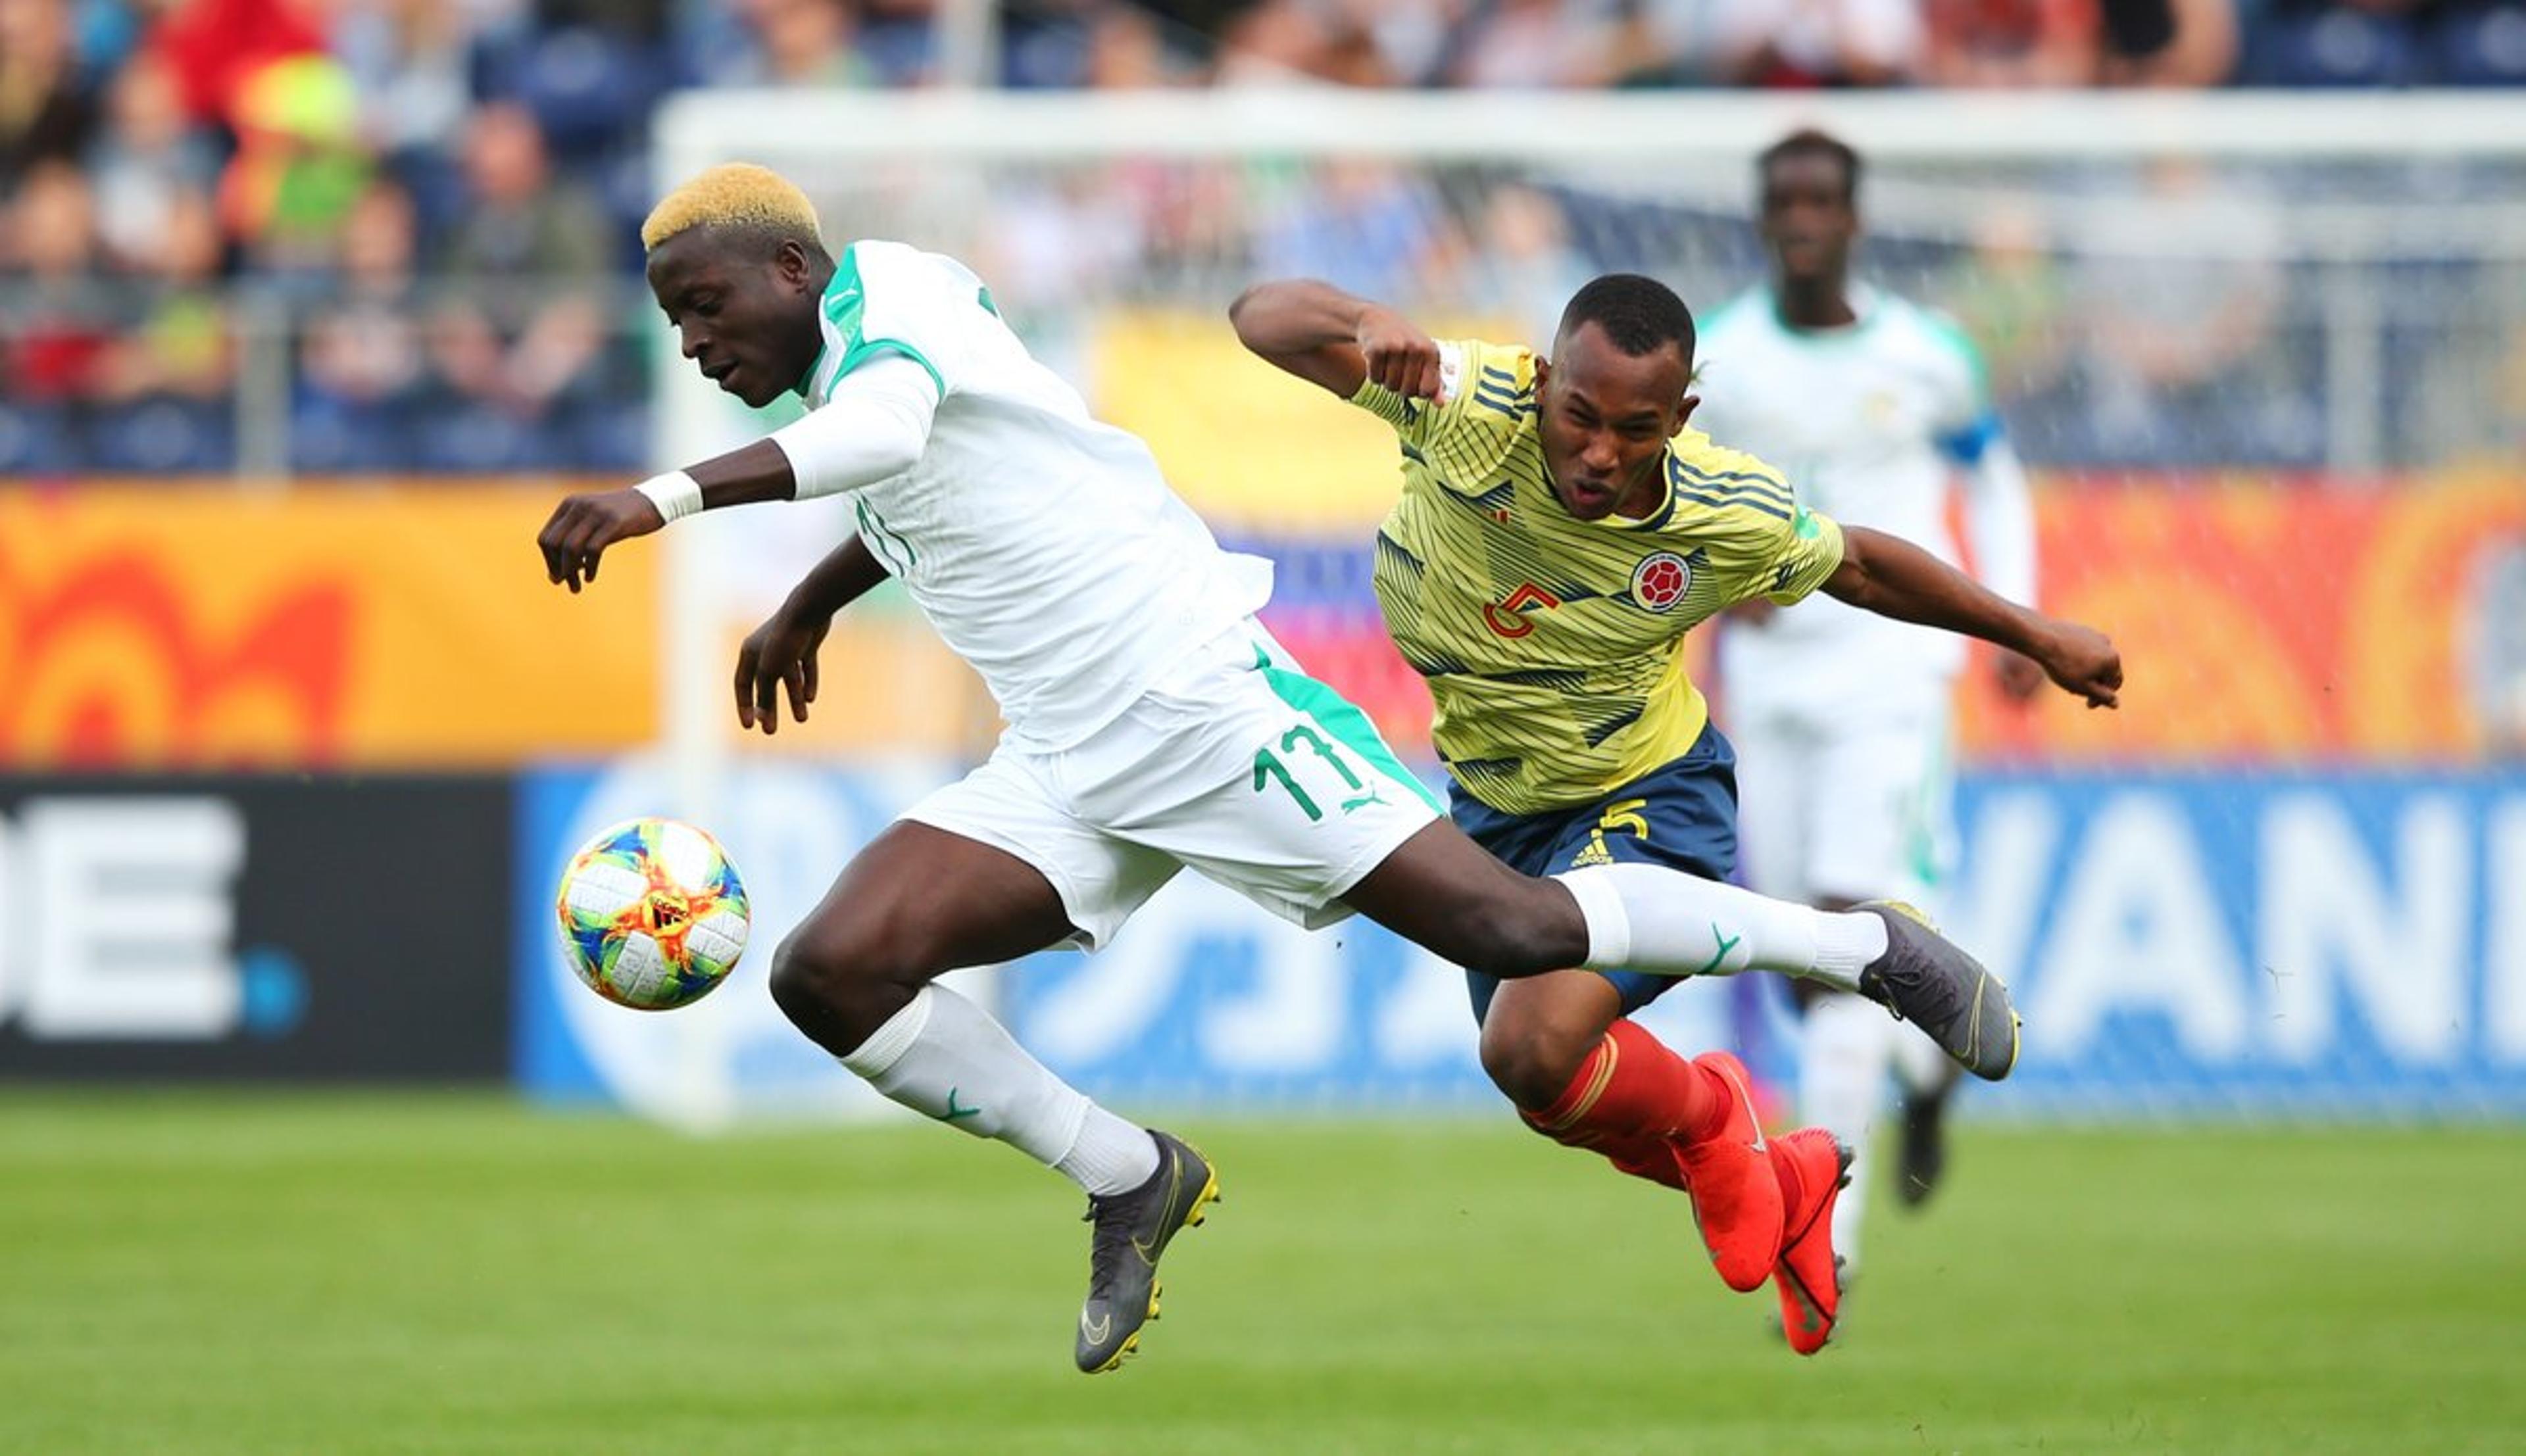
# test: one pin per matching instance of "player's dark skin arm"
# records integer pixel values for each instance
(582, 525)
(782, 650)
(1893, 578)
(1335, 339)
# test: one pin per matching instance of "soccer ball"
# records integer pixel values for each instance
(652, 914)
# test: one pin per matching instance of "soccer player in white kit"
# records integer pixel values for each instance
(1151, 723)
(1875, 407)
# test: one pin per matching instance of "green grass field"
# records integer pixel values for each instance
(336, 1273)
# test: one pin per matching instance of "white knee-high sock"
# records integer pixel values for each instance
(1844, 1046)
(943, 1058)
(1650, 918)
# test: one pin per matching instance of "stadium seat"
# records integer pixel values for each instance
(166, 435)
(328, 436)
(586, 88)
(2337, 47)
(608, 434)
(2481, 45)
(39, 439)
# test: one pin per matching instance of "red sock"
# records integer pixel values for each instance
(1634, 1100)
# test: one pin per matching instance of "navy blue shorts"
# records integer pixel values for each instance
(1682, 815)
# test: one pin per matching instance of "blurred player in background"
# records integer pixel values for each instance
(1875, 406)
(1559, 531)
(1152, 724)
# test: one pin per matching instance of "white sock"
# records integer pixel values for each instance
(943, 1058)
(1666, 922)
(1844, 1045)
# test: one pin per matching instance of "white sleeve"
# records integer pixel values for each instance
(875, 426)
(1999, 517)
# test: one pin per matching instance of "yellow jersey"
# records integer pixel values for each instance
(1554, 646)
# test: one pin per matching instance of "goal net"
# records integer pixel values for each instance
(2266, 355)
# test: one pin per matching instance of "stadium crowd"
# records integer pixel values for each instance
(407, 226)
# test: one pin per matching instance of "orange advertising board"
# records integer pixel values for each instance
(364, 625)
(2270, 621)
(2262, 621)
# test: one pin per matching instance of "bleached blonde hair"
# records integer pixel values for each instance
(732, 194)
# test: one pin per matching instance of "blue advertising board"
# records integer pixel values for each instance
(2232, 944)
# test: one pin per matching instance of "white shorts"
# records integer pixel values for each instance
(1236, 764)
(1861, 807)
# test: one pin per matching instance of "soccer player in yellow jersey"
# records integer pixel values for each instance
(1561, 528)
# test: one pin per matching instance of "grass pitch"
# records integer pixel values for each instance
(339, 1274)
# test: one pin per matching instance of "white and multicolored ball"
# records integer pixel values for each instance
(653, 915)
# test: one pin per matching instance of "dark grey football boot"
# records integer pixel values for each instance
(1929, 980)
(1923, 1158)
(1131, 1231)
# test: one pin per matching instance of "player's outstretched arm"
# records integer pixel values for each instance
(1336, 341)
(1893, 578)
(575, 536)
(876, 424)
(782, 652)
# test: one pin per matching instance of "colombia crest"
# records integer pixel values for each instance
(1660, 580)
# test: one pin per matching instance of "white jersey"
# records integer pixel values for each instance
(1872, 423)
(1045, 547)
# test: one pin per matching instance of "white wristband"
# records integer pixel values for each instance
(675, 494)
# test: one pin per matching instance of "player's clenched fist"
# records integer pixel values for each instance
(581, 527)
(2083, 660)
(1399, 355)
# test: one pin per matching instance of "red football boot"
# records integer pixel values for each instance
(1813, 1169)
(1735, 1194)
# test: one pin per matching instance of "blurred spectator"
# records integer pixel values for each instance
(1108, 45)
(148, 160)
(45, 115)
(1524, 265)
(1350, 55)
(2203, 52)
(1126, 52)
(521, 219)
(1413, 35)
(169, 379)
(1364, 224)
(408, 60)
(1058, 237)
(283, 113)
(803, 44)
(53, 338)
(2011, 42)
(364, 365)
(2008, 293)
(215, 47)
(58, 334)
(298, 167)
(1196, 222)
(1537, 43)
(900, 40)
(2180, 297)
(529, 258)
(1273, 43)
(1815, 43)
